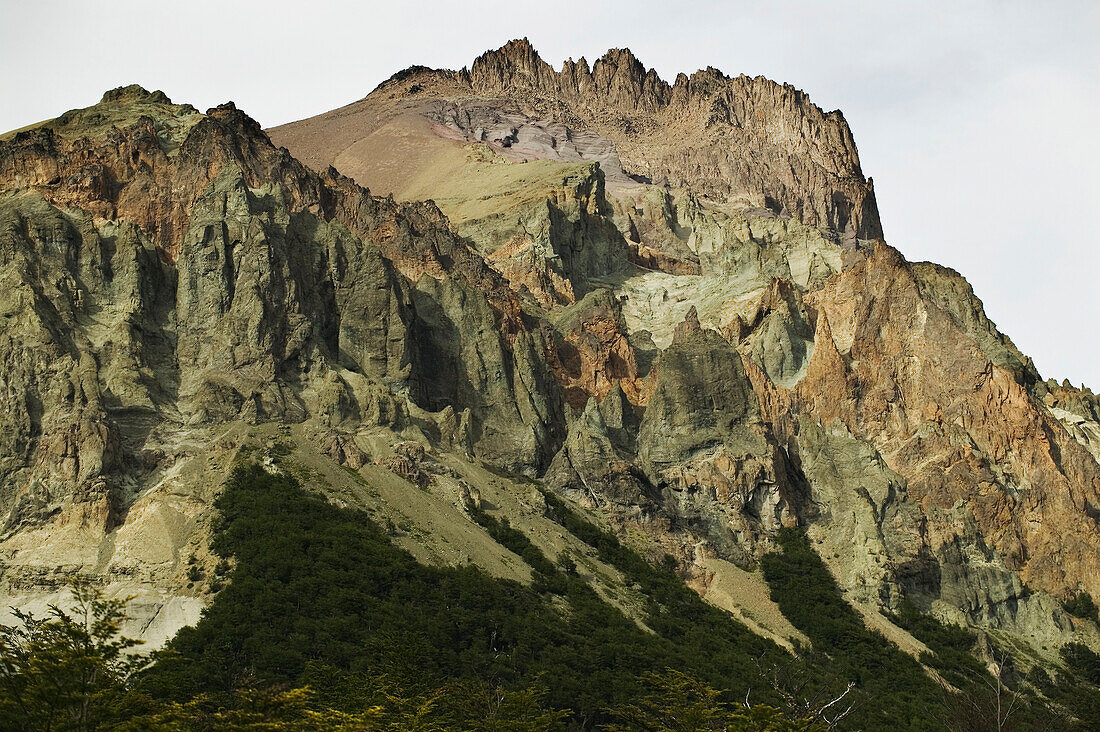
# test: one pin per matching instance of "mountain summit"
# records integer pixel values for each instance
(510, 291)
(743, 138)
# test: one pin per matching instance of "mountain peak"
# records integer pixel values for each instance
(737, 138)
(516, 64)
(621, 57)
(656, 303)
(624, 80)
(617, 77)
(134, 93)
(519, 46)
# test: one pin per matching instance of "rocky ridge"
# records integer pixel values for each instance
(745, 213)
(670, 303)
(134, 343)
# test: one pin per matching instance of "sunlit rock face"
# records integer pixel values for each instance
(670, 302)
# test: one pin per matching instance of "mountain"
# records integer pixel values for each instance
(861, 395)
(477, 293)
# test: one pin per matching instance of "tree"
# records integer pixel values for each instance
(675, 702)
(256, 710)
(804, 697)
(67, 670)
(1081, 606)
(990, 705)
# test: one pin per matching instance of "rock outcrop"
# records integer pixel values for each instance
(670, 303)
(216, 282)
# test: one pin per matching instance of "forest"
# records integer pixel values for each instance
(324, 623)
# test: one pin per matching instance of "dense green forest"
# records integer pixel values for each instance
(326, 624)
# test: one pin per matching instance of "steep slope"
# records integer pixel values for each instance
(175, 281)
(744, 139)
(669, 304)
(886, 412)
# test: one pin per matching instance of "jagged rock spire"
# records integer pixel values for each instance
(617, 77)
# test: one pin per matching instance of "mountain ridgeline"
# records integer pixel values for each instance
(580, 348)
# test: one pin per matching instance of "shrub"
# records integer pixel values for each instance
(1081, 606)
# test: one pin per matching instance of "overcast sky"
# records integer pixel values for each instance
(978, 120)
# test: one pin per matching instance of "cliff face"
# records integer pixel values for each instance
(161, 297)
(671, 303)
(740, 137)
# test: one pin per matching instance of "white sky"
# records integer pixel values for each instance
(978, 120)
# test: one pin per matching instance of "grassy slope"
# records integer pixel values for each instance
(315, 585)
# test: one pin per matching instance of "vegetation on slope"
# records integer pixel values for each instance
(325, 624)
(896, 693)
(318, 587)
(895, 689)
